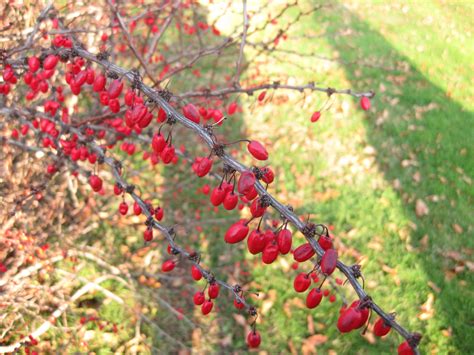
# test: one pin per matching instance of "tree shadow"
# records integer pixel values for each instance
(423, 141)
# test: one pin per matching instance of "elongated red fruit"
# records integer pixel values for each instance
(217, 195)
(256, 208)
(329, 262)
(95, 182)
(256, 242)
(348, 319)
(284, 239)
(253, 339)
(199, 298)
(246, 181)
(314, 297)
(33, 64)
(50, 62)
(168, 265)
(115, 89)
(301, 282)
(303, 252)
(236, 233)
(158, 143)
(257, 150)
(206, 307)
(196, 273)
(99, 83)
(381, 328)
(405, 349)
(270, 253)
(365, 103)
(191, 113)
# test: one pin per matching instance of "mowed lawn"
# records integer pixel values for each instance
(396, 182)
(393, 183)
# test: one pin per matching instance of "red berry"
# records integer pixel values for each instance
(284, 239)
(303, 252)
(256, 208)
(115, 89)
(230, 201)
(236, 233)
(238, 304)
(329, 262)
(99, 83)
(256, 242)
(196, 273)
(253, 339)
(262, 95)
(232, 108)
(365, 103)
(159, 212)
(168, 265)
(123, 208)
(148, 235)
(203, 166)
(301, 282)
(405, 349)
(257, 150)
(158, 143)
(199, 298)
(217, 196)
(33, 64)
(314, 297)
(347, 319)
(325, 242)
(268, 175)
(381, 328)
(137, 210)
(246, 182)
(117, 189)
(206, 307)
(191, 113)
(50, 62)
(270, 253)
(95, 182)
(315, 116)
(213, 290)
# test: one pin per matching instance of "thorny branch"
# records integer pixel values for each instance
(207, 136)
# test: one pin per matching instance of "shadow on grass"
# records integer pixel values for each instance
(435, 144)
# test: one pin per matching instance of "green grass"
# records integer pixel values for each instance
(371, 214)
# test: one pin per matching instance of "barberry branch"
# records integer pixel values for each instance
(238, 166)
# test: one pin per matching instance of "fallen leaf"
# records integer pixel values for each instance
(427, 310)
(421, 209)
(434, 287)
(309, 344)
(417, 176)
(310, 324)
(457, 228)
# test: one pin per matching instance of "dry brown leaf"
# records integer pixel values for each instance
(421, 209)
(457, 228)
(240, 319)
(309, 344)
(434, 287)
(427, 310)
(417, 176)
(268, 302)
(310, 324)
(292, 348)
